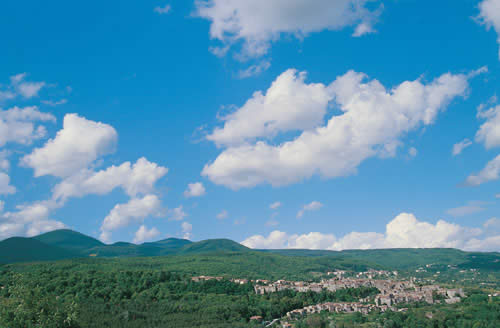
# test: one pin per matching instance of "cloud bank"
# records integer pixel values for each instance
(372, 122)
(404, 231)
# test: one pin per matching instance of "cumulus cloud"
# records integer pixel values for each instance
(28, 219)
(222, 215)
(187, 229)
(134, 179)
(195, 190)
(404, 231)
(258, 23)
(177, 214)
(135, 210)
(489, 173)
(492, 224)
(312, 206)
(25, 88)
(490, 16)
(72, 157)
(4, 162)
(489, 131)
(460, 146)
(69, 152)
(143, 234)
(289, 104)
(372, 122)
(5, 187)
(275, 205)
(42, 226)
(18, 125)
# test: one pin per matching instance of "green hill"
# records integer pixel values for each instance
(19, 249)
(69, 239)
(123, 249)
(63, 244)
(405, 258)
(213, 246)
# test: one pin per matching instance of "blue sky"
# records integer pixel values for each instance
(86, 91)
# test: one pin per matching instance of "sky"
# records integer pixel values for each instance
(348, 124)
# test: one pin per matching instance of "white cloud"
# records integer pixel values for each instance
(187, 229)
(490, 16)
(412, 152)
(489, 131)
(25, 88)
(275, 205)
(5, 187)
(4, 162)
(492, 224)
(288, 105)
(143, 234)
(276, 239)
(404, 231)
(489, 173)
(470, 208)
(28, 220)
(18, 125)
(195, 190)
(69, 151)
(372, 122)
(460, 146)
(163, 10)
(222, 215)
(259, 22)
(312, 206)
(6, 95)
(254, 70)
(42, 226)
(137, 178)
(135, 210)
(177, 214)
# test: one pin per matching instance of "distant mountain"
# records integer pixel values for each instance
(64, 244)
(69, 239)
(123, 249)
(213, 246)
(19, 249)
(405, 258)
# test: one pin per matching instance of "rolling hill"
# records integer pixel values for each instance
(19, 249)
(213, 246)
(69, 239)
(65, 244)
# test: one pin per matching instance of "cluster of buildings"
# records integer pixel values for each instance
(391, 291)
(370, 274)
(344, 307)
(206, 278)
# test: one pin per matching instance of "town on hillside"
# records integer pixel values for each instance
(392, 291)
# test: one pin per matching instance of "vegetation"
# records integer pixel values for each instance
(128, 285)
(129, 294)
(476, 311)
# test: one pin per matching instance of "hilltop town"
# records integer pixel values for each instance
(392, 291)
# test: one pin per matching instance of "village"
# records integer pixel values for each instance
(392, 292)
